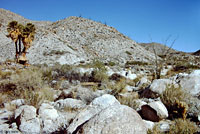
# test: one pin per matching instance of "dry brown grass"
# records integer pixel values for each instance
(129, 100)
(181, 126)
(27, 84)
(175, 100)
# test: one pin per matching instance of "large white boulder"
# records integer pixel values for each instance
(106, 115)
(115, 120)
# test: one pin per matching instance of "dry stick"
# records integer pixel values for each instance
(165, 51)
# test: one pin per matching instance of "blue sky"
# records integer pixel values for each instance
(141, 20)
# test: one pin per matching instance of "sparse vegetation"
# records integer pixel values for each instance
(181, 126)
(118, 87)
(129, 100)
(26, 84)
(140, 63)
(175, 101)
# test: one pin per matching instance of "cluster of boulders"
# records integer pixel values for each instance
(78, 109)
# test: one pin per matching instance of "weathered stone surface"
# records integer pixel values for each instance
(191, 83)
(69, 103)
(30, 126)
(160, 109)
(27, 120)
(26, 111)
(149, 124)
(96, 106)
(106, 111)
(117, 119)
(159, 85)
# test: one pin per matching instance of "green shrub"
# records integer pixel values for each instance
(181, 126)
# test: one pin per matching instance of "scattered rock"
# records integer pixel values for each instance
(148, 113)
(160, 109)
(159, 85)
(191, 83)
(69, 103)
(26, 119)
(149, 124)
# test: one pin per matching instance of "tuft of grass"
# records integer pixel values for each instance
(175, 101)
(118, 87)
(27, 84)
(129, 100)
(181, 126)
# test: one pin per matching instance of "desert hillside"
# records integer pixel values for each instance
(73, 40)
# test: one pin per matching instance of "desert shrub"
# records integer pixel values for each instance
(181, 126)
(182, 66)
(4, 74)
(26, 84)
(129, 100)
(140, 63)
(118, 87)
(175, 101)
(111, 63)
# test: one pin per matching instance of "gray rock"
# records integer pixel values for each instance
(47, 112)
(191, 83)
(27, 120)
(117, 119)
(160, 109)
(26, 111)
(106, 115)
(159, 85)
(80, 93)
(69, 103)
(96, 106)
(149, 124)
(5, 115)
(30, 126)
(51, 119)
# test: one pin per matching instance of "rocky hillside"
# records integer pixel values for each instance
(159, 48)
(73, 40)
